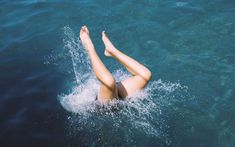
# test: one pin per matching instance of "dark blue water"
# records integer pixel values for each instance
(47, 87)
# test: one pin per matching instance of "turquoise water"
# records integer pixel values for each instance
(47, 88)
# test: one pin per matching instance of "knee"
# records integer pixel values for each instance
(147, 75)
(109, 82)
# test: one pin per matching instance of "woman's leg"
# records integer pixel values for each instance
(108, 88)
(141, 74)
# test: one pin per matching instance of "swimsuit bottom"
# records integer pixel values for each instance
(119, 97)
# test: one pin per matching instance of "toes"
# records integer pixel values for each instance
(104, 33)
(84, 29)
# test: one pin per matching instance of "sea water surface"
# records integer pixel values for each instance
(48, 89)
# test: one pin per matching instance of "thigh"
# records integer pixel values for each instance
(106, 94)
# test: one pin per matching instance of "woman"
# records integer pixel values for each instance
(109, 89)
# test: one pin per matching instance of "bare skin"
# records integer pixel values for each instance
(108, 88)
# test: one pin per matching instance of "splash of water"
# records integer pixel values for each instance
(80, 61)
(142, 114)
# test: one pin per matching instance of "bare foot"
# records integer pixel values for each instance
(85, 38)
(109, 47)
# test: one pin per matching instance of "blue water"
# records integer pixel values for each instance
(47, 87)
